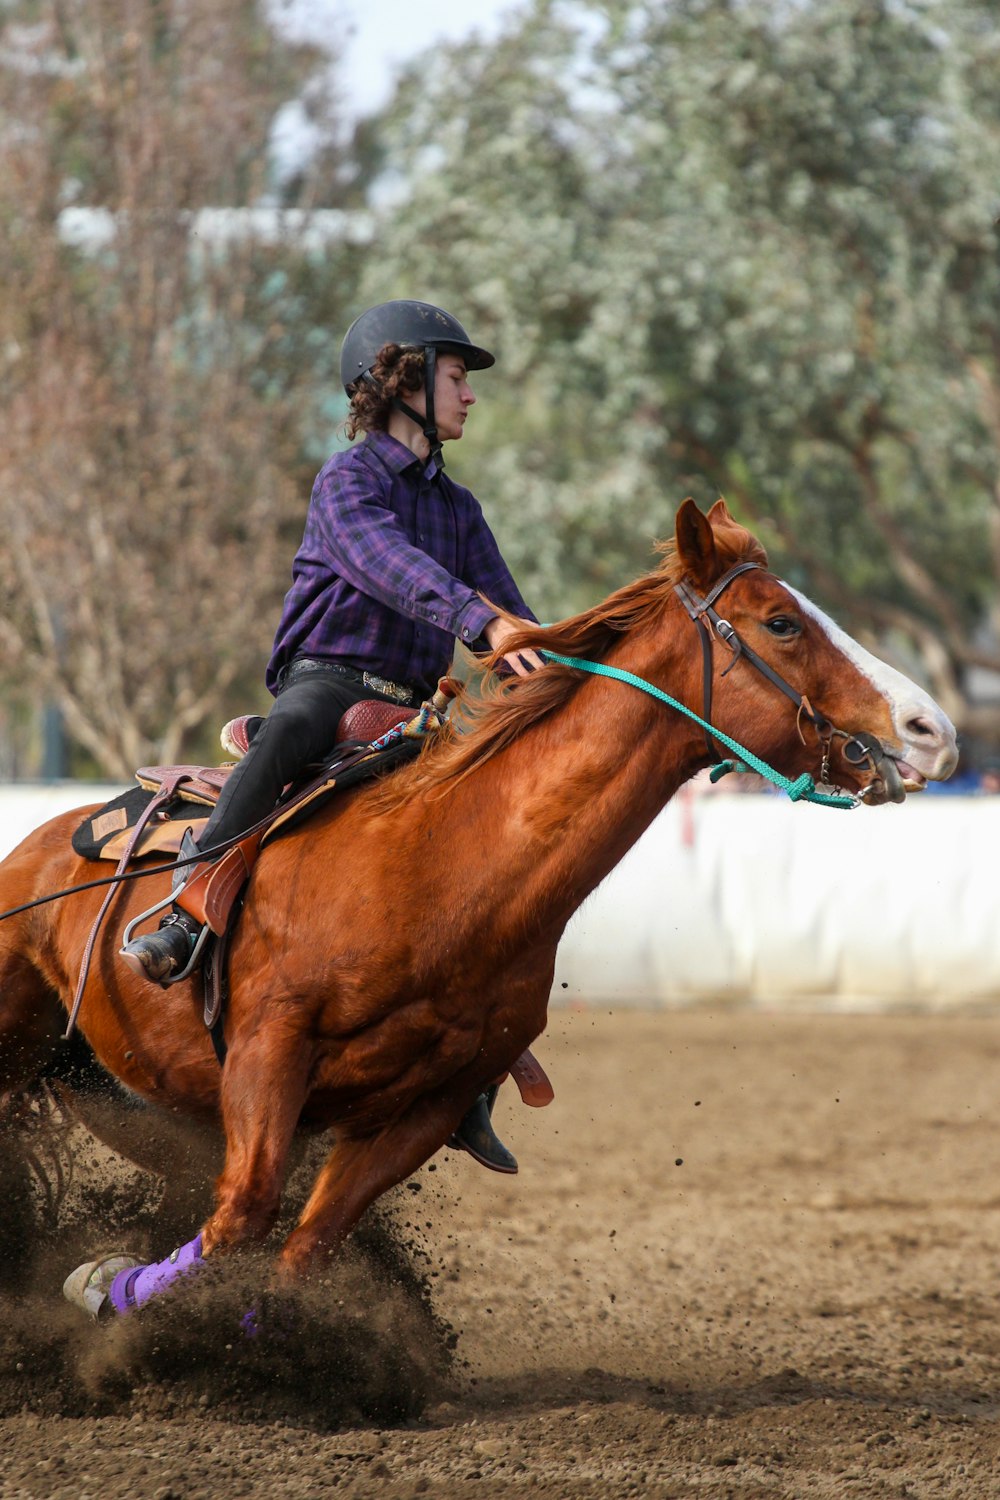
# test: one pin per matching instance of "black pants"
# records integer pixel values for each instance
(299, 730)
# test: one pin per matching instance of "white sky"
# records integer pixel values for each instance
(381, 34)
(388, 32)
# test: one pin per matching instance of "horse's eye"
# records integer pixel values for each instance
(783, 626)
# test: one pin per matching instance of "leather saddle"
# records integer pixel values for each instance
(198, 787)
(155, 816)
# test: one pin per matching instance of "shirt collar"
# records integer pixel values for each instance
(397, 457)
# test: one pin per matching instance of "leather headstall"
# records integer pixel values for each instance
(702, 609)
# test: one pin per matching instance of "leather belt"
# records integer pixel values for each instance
(399, 692)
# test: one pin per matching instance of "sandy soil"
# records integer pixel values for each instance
(747, 1255)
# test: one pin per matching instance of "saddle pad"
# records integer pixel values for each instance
(103, 834)
(159, 838)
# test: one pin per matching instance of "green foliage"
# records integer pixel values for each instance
(732, 246)
(719, 246)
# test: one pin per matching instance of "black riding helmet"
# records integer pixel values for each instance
(415, 325)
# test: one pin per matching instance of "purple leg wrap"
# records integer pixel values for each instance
(132, 1288)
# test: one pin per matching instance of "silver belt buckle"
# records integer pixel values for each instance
(386, 688)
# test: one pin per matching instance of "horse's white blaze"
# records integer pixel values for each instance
(927, 740)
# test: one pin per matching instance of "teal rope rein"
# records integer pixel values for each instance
(802, 789)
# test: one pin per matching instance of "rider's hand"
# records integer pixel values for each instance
(498, 631)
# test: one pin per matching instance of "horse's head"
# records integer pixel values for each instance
(860, 724)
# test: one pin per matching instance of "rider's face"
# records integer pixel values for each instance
(453, 396)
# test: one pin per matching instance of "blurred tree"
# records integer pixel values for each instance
(734, 246)
(157, 385)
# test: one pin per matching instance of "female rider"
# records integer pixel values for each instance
(394, 566)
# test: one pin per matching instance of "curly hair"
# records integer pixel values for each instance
(398, 370)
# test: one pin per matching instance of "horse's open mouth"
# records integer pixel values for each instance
(893, 779)
(912, 779)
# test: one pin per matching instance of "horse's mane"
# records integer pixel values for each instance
(508, 705)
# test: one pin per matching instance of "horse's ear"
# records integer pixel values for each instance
(695, 543)
(719, 512)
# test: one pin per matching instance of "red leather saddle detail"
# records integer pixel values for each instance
(210, 890)
(362, 723)
(235, 736)
(370, 719)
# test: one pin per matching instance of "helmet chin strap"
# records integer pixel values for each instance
(427, 422)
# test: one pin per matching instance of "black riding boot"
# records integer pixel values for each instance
(476, 1135)
(160, 956)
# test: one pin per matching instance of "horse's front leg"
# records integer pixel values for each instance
(359, 1170)
(264, 1086)
(263, 1089)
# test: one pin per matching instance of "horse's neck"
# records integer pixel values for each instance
(565, 801)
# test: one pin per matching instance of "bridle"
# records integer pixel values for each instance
(858, 748)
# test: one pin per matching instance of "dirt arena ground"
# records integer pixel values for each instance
(747, 1255)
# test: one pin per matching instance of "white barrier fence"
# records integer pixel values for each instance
(751, 899)
(755, 899)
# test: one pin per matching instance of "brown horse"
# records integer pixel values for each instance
(396, 953)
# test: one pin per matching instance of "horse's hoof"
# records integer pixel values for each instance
(88, 1286)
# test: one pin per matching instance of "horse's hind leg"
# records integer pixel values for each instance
(30, 1019)
(30, 1024)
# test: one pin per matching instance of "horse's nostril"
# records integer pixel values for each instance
(918, 725)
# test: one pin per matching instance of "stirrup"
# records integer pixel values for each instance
(192, 962)
(196, 951)
(177, 882)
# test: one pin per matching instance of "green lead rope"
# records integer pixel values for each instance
(802, 789)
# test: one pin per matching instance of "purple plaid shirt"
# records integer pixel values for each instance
(390, 569)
